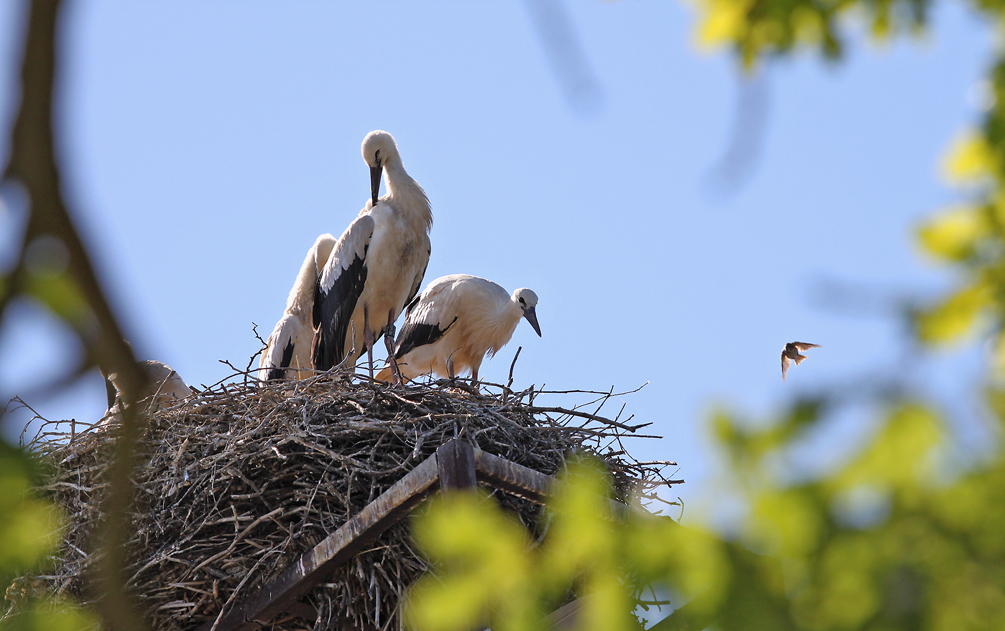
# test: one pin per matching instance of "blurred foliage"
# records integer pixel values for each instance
(907, 533)
(884, 541)
(494, 575)
(53, 269)
(29, 534)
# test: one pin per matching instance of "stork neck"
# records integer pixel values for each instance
(403, 189)
(301, 297)
(503, 322)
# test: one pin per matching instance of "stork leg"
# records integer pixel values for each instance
(389, 342)
(368, 339)
(450, 367)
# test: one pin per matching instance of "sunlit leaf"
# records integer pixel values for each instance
(952, 234)
(50, 615)
(970, 159)
(786, 523)
(901, 456)
(848, 594)
(28, 531)
(62, 296)
(722, 22)
(691, 560)
(809, 25)
(486, 555)
(582, 532)
(954, 317)
(29, 526)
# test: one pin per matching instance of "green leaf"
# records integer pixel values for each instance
(970, 159)
(901, 455)
(953, 234)
(956, 316)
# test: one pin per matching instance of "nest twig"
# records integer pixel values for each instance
(242, 478)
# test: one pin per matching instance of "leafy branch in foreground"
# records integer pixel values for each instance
(886, 541)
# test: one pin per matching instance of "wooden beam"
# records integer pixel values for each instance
(455, 461)
(455, 465)
(519, 480)
(320, 562)
(508, 476)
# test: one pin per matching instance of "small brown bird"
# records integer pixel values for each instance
(791, 351)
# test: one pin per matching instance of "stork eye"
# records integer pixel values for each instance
(376, 156)
(522, 302)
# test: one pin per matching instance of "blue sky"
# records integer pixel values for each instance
(206, 145)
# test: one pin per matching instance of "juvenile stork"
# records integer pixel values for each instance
(377, 265)
(164, 386)
(289, 347)
(451, 326)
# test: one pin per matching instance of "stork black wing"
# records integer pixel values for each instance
(280, 373)
(337, 291)
(414, 334)
(413, 295)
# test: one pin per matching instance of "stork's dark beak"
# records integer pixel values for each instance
(110, 391)
(531, 314)
(375, 173)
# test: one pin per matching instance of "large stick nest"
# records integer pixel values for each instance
(238, 481)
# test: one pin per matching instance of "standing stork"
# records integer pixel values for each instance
(377, 265)
(289, 346)
(451, 326)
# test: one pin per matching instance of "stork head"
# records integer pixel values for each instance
(378, 148)
(527, 301)
(323, 247)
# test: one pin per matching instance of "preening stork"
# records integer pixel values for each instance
(162, 382)
(377, 265)
(451, 326)
(288, 351)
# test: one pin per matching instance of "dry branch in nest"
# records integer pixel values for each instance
(238, 481)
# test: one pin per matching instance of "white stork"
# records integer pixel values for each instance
(377, 265)
(289, 346)
(162, 381)
(451, 325)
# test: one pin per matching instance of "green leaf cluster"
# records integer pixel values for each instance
(492, 573)
(30, 532)
(885, 541)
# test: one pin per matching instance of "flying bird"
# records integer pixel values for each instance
(791, 352)
(455, 322)
(164, 386)
(377, 265)
(289, 347)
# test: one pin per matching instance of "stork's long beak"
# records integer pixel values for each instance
(110, 391)
(375, 173)
(531, 314)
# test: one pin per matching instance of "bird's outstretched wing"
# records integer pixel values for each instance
(791, 352)
(338, 288)
(279, 349)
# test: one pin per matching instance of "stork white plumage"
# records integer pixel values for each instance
(164, 386)
(377, 265)
(288, 351)
(455, 322)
